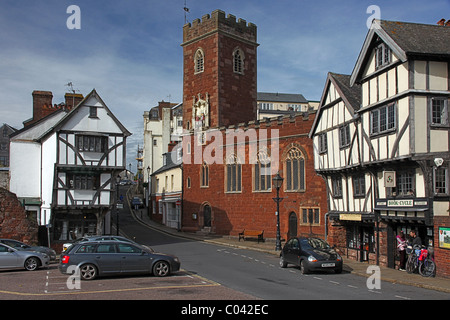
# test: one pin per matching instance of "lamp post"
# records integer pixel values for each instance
(277, 183)
(148, 190)
(117, 203)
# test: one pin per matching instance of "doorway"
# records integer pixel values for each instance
(206, 216)
(293, 221)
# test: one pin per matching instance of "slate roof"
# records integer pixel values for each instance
(416, 38)
(281, 97)
(351, 93)
(405, 39)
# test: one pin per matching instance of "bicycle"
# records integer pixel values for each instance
(419, 260)
(426, 264)
(412, 264)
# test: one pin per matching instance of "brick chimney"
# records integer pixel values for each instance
(441, 22)
(447, 24)
(72, 100)
(42, 105)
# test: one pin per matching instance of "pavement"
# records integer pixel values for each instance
(354, 267)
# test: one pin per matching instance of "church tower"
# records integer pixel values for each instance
(219, 84)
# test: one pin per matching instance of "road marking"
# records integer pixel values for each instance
(350, 286)
(317, 278)
(334, 282)
(405, 298)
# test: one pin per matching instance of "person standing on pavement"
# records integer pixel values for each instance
(415, 239)
(401, 247)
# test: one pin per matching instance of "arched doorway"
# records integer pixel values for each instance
(206, 216)
(292, 233)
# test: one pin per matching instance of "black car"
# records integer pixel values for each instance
(311, 254)
(102, 258)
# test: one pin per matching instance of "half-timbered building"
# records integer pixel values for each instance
(65, 168)
(398, 142)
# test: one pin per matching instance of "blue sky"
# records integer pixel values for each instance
(129, 50)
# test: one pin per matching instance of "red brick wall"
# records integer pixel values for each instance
(14, 223)
(233, 212)
(441, 256)
(232, 96)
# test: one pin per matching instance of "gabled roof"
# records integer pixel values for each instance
(351, 95)
(405, 39)
(281, 97)
(54, 121)
(94, 94)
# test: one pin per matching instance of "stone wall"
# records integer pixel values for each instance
(14, 222)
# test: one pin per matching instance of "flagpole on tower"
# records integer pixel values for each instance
(186, 10)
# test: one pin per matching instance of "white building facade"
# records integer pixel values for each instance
(68, 176)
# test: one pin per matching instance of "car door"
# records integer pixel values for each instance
(8, 257)
(291, 251)
(107, 258)
(133, 259)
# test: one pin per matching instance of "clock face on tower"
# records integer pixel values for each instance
(200, 112)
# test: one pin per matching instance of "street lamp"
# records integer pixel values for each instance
(148, 190)
(117, 202)
(277, 183)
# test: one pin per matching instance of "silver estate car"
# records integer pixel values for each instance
(96, 238)
(101, 258)
(12, 258)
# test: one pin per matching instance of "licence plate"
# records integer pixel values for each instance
(324, 265)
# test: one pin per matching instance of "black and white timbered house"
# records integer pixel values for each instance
(68, 176)
(385, 151)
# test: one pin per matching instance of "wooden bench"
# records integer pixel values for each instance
(252, 234)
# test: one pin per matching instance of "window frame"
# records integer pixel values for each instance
(262, 182)
(443, 117)
(444, 183)
(295, 154)
(238, 61)
(312, 216)
(344, 136)
(389, 117)
(233, 175)
(199, 61)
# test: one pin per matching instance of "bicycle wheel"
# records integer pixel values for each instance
(427, 267)
(411, 263)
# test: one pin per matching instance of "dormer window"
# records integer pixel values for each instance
(199, 61)
(382, 55)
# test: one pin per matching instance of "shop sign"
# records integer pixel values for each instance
(400, 203)
(350, 217)
(444, 237)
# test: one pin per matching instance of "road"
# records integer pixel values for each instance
(258, 274)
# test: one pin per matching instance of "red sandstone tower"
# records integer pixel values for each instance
(220, 77)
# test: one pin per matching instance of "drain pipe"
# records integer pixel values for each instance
(326, 226)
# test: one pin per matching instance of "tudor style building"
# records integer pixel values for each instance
(229, 157)
(386, 157)
(73, 156)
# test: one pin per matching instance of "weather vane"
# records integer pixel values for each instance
(186, 10)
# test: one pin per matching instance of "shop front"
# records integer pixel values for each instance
(405, 215)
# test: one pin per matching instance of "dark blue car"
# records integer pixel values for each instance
(310, 254)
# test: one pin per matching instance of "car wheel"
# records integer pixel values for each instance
(283, 263)
(88, 272)
(161, 269)
(303, 267)
(31, 264)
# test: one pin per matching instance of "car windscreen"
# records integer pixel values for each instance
(313, 243)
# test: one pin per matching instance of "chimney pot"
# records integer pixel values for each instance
(441, 22)
(447, 24)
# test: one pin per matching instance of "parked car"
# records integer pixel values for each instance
(136, 201)
(23, 246)
(102, 258)
(96, 238)
(16, 258)
(311, 254)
